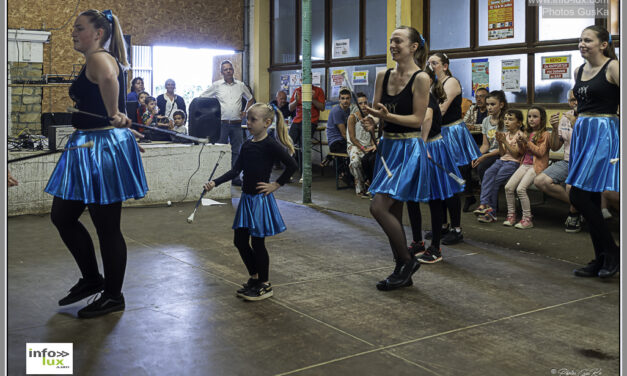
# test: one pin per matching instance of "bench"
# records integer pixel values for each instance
(336, 165)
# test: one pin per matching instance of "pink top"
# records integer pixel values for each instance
(528, 157)
(511, 141)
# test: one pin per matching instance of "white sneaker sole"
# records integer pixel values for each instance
(260, 297)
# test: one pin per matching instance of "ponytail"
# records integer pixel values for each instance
(270, 112)
(110, 24)
(436, 88)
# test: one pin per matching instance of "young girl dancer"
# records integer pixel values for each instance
(496, 105)
(456, 134)
(595, 141)
(504, 167)
(100, 177)
(534, 161)
(442, 185)
(401, 98)
(257, 213)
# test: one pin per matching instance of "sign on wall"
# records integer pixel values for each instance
(500, 19)
(556, 67)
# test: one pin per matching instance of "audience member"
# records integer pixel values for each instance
(496, 104)
(296, 104)
(229, 92)
(170, 102)
(137, 86)
(551, 181)
(503, 168)
(152, 118)
(535, 160)
(360, 142)
(477, 111)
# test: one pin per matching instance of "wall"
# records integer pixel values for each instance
(168, 167)
(198, 23)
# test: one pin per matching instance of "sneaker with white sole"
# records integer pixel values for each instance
(431, 256)
(524, 223)
(573, 224)
(510, 220)
(488, 217)
(259, 292)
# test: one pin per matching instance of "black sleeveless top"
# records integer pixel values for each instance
(436, 123)
(597, 95)
(400, 104)
(86, 97)
(454, 111)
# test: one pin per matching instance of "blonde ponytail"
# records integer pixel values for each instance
(270, 112)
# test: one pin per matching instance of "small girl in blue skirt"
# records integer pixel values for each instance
(257, 214)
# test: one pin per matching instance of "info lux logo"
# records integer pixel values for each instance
(49, 358)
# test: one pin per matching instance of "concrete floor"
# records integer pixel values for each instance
(492, 307)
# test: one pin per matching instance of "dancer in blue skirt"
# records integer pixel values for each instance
(459, 139)
(442, 185)
(257, 213)
(401, 98)
(102, 177)
(595, 141)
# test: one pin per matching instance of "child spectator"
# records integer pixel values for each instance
(141, 108)
(179, 124)
(496, 105)
(360, 142)
(151, 118)
(503, 168)
(535, 160)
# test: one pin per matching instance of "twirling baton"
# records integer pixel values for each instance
(190, 219)
(350, 88)
(137, 125)
(85, 145)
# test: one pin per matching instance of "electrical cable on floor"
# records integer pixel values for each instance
(193, 173)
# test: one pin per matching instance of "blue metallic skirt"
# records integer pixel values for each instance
(462, 144)
(110, 171)
(594, 142)
(259, 214)
(442, 185)
(406, 157)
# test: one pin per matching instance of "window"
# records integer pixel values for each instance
(376, 42)
(555, 90)
(560, 28)
(518, 35)
(317, 31)
(345, 26)
(283, 80)
(449, 25)
(283, 36)
(142, 64)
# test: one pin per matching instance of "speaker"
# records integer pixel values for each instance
(204, 118)
(54, 118)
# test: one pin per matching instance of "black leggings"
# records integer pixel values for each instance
(454, 205)
(389, 214)
(415, 219)
(589, 205)
(106, 219)
(256, 258)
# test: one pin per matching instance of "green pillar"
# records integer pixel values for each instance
(306, 92)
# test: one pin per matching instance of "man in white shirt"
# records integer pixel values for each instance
(229, 92)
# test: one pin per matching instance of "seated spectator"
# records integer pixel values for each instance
(336, 131)
(142, 105)
(170, 102)
(152, 118)
(478, 111)
(534, 161)
(360, 142)
(178, 124)
(503, 168)
(281, 104)
(296, 104)
(551, 181)
(137, 86)
(496, 104)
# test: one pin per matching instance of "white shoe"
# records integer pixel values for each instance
(300, 181)
(606, 213)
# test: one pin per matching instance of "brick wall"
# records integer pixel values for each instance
(25, 100)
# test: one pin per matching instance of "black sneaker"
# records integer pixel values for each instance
(573, 223)
(452, 237)
(417, 249)
(402, 278)
(83, 289)
(590, 270)
(259, 292)
(431, 256)
(101, 306)
(245, 286)
(470, 200)
(611, 265)
(429, 234)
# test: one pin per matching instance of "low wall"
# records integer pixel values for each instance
(168, 167)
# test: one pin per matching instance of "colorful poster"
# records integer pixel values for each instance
(341, 48)
(510, 76)
(315, 78)
(500, 19)
(360, 78)
(480, 74)
(285, 83)
(556, 67)
(337, 77)
(295, 79)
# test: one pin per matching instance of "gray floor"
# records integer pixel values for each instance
(504, 302)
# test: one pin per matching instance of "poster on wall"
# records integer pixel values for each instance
(285, 83)
(480, 74)
(556, 67)
(341, 48)
(295, 79)
(500, 19)
(337, 80)
(360, 78)
(315, 78)
(510, 76)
